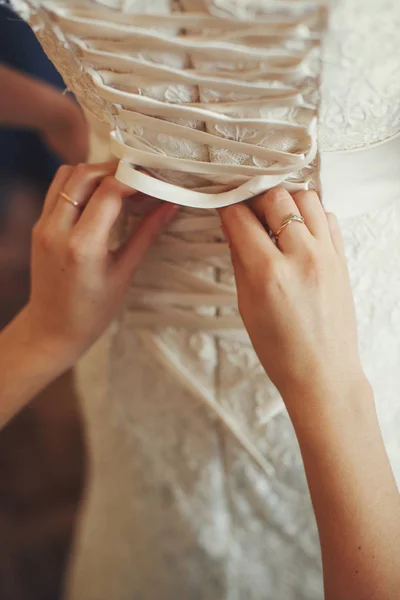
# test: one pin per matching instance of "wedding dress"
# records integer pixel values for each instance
(196, 487)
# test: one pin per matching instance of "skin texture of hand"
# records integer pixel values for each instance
(296, 303)
(77, 283)
(295, 299)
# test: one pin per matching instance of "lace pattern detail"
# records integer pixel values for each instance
(361, 75)
(111, 65)
(172, 491)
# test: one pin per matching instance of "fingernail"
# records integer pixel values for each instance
(169, 210)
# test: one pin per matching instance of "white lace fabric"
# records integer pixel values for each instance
(229, 103)
(361, 76)
(178, 506)
(218, 97)
(226, 106)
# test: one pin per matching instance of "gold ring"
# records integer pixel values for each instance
(69, 199)
(287, 220)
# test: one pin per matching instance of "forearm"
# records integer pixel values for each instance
(354, 494)
(25, 101)
(26, 367)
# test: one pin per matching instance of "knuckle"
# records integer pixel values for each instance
(233, 215)
(310, 252)
(263, 272)
(109, 184)
(277, 195)
(78, 250)
(83, 170)
(314, 263)
(109, 192)
(274, 278)
(45, 238)
(63, 173)
(306, 196)
(231, 212)
(239, 218)
(63, 170)
(84, 167)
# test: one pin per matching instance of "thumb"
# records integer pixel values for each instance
(133, 252)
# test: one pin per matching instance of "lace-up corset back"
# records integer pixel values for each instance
(216, 97)
(212, 97)
(217, 100)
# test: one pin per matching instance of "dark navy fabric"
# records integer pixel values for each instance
(23, 156)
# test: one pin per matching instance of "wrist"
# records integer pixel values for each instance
(27, 365)
(328, 401)
(50, 354)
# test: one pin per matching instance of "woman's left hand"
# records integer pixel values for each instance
(77, 283)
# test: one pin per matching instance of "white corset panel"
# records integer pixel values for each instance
(222, 103)
(209, 102)
(197, 490)
(267, 70)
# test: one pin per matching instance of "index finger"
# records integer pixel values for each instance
(57, 185)
(247, 236)
(84, 180)
(103, 209)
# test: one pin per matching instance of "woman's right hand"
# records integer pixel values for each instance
(297, 305)
(295, 298)
(77, 283)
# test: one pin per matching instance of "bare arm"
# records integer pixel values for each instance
(77, 284)
(27, 102)
(24, 100)
(353, 491)
(297, 306)
(26, 367)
